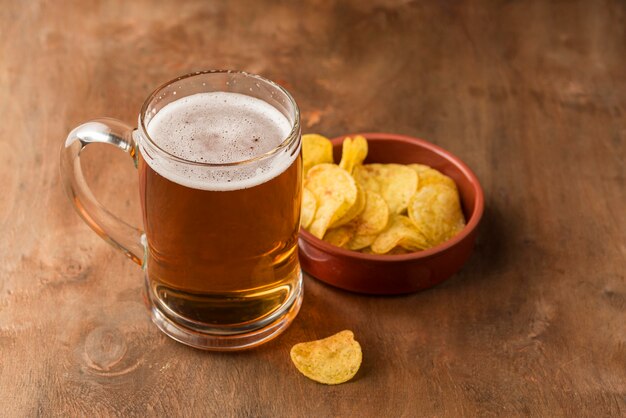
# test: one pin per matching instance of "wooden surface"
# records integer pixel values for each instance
(531, 94)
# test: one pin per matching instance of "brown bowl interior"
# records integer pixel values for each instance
(393, 274)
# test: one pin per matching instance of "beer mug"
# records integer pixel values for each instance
(218, 155)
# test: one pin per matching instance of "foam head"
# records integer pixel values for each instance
(219, 128)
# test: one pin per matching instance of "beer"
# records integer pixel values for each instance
(221, 217)
(220, 175)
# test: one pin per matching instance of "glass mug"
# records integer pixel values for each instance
(219, 160)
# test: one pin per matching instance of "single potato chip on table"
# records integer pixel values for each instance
(335, 192)
(331, 361)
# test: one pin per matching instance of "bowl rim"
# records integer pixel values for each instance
(479, 206)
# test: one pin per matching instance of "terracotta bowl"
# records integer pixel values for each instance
(404, 273)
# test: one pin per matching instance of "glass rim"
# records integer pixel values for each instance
(284, 143)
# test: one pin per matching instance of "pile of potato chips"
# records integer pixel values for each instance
(375, 208)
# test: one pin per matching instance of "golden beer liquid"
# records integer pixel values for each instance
(223, 258)
(221, 242)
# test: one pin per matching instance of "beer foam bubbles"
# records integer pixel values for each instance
(218, 128)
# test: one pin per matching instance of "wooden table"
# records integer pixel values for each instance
(531, 94)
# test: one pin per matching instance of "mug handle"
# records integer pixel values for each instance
(113, 230)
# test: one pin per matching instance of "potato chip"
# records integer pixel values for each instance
(398, 250)
(436, 212)
(400, 232)
(358, 242)
(374, 217)
(339, 237)
(354, 151)
(419, 168)
(396, 183)
(354, 211)
(431, 176)
(316, 149)
(335, 192)
(367, 177)
(369, 223)
(308, 207)
(331, 361)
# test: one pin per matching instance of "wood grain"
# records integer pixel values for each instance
(531, 94)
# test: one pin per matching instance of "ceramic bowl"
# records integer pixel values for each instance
(404, 273)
